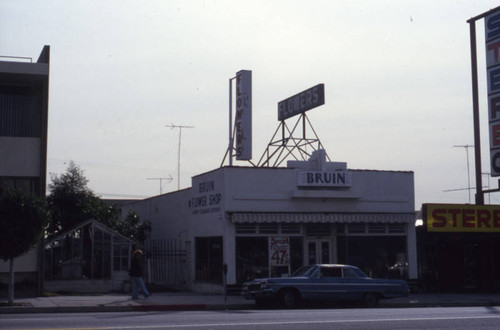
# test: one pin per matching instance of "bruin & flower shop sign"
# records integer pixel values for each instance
(301, 102)
(333, 179)
(206, 198)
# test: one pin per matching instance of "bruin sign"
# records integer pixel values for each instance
(324, 179)
(462, 218)
(492, 35)
(301, 102)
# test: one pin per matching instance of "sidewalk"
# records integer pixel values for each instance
(178, 301)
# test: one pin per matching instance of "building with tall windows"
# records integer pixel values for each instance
(24, 99)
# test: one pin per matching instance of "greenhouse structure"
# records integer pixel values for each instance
(87, 258)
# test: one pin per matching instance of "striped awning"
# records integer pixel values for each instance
(258, 217)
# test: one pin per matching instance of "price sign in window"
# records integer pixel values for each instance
(279, 251)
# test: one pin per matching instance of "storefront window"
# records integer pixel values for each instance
(209, 259)
(379, 257)
(252, 258)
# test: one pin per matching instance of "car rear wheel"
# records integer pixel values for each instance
(370, 299)
(289, 298)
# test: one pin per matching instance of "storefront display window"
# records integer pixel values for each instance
(209, 259)
(252, 258)
(379, 256)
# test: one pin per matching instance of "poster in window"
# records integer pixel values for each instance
(279, 251)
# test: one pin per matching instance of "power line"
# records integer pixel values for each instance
(77, 162)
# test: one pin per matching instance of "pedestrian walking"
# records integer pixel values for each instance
(136, 273)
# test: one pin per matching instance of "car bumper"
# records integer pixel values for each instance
(261, 294)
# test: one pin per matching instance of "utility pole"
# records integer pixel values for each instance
(161, 181)
(466, 146)
(180, 127)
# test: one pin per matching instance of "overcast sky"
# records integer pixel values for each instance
(396, 74)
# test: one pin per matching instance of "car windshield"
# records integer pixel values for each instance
(304, 271)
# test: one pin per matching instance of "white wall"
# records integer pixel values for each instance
(25, 263)
(275, 190)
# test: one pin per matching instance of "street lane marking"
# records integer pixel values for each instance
(167, 326)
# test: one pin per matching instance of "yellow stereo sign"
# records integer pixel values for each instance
(462, 218)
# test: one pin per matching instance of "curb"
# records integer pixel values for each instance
(135, 308)
(206, 307)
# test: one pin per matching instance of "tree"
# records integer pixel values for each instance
(71, 202)
(23, 218)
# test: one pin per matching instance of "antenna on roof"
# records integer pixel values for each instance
(180, 127)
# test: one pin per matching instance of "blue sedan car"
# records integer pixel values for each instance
(324, 282)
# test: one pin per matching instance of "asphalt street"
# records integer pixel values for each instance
(377, 318)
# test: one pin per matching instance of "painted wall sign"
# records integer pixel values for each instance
(462, 218)
(207, 197)
(243, 120)
(492, 35)
(301, 102)
(324, 179)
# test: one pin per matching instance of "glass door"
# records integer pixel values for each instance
(318, 251)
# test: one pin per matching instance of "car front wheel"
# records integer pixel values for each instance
(289, 298)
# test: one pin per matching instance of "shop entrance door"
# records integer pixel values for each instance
(318, 251)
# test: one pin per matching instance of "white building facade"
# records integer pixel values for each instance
(262, 221)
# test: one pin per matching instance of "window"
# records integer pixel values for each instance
(290, 228)
(331, 271)
(397, 228)
(356, 228)
(120, 254)
(252, 258)
(318, 229)
(246, 228)
(20, 114)
(349, 273)
(208, 259)
(378, 256)
(27, 184)
(268, 228)
(377, 228)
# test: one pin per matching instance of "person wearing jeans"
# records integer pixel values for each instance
(136, 273)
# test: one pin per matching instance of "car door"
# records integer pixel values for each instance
(330, 285)
(354, 285)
